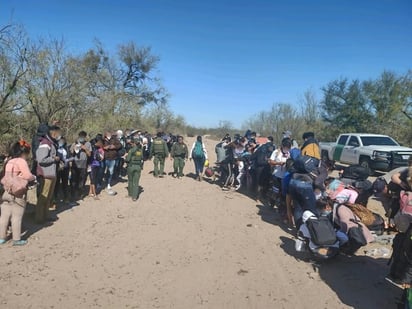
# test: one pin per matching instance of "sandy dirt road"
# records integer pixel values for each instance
(184, 244)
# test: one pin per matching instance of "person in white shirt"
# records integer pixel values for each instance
(278, 162)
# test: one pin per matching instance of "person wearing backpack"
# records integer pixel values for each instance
(13, 205)
(199, 155)
(134, 162)
(159, 152)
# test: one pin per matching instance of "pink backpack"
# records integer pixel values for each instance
(14, 184)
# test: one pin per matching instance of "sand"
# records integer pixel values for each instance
(184, 244)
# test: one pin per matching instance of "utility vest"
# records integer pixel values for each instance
(137, 156)
(158, 146)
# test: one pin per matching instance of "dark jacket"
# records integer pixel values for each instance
(111, 154)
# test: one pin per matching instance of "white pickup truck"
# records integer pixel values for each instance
(373, 151)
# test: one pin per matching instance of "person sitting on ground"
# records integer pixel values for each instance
(12, 207)
(179, 154)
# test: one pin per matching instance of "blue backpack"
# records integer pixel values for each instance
(198, 151)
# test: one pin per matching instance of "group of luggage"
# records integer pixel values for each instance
(343, 222)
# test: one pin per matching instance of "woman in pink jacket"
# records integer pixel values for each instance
(12, 207)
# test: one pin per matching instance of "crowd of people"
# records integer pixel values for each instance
(330, 215)
(59, 170)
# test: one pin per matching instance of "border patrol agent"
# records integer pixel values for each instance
(179, 153)
(159, 152)
(134, 168)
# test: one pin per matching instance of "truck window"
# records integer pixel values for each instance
(378, 141)
(353, 141)
(342, 139)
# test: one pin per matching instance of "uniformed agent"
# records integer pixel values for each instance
(179, 153)
(159, 152)
(134, 160)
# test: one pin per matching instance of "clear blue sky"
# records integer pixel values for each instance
(225, 60)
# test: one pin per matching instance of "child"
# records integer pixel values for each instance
(97, 159)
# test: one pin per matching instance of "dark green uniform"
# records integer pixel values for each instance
(179, 154)
(159, 152)
(134, 169)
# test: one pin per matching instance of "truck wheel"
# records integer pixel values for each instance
(364, 162)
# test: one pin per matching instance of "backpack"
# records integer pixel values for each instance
(305, 164)
(355, 234)
(406, 202)
(321, 230)
(13, 184)
(355, 172)
(378, 225)
(198, 151)
(364, 214)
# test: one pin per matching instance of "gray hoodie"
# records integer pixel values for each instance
(45, 157)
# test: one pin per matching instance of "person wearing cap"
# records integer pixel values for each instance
(179, 154)
(159, 152)
(134, 160)
(310, 146)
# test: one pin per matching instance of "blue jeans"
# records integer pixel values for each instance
(199, 165)
(110, 164)
(303, 199)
